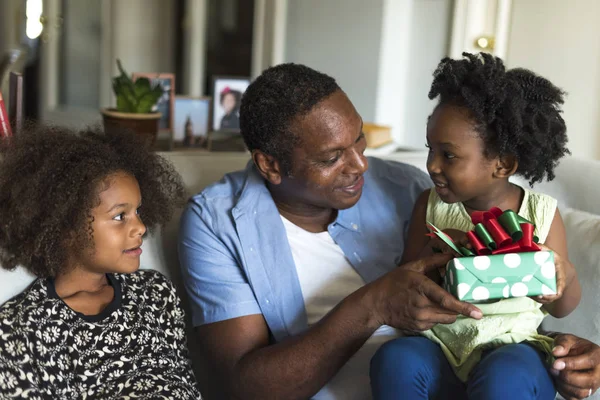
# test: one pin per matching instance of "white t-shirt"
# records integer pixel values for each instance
(326, 278)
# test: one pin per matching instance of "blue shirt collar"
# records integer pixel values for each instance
(253, 193)
(349, 218)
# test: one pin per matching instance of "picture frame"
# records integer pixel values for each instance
(166, 104)
(192, 122)
(227, 95)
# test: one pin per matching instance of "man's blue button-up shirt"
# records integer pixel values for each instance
(237, 261)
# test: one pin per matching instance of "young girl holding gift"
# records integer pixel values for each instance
(489, 124)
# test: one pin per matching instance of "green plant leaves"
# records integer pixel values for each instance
(141, 87)
(135, 97)
(148, 99)
(126, 100)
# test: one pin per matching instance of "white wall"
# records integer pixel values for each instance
(560, 40)
(9, 15)
(341, 38)
(139, 32)
(429, 42)
(9, 27)
(81, 53)
(135, 38)
(129, 33)
(393, 66)
(194, 55)
(381, 52)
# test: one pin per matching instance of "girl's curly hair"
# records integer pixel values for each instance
(50, 179)
(516, 112)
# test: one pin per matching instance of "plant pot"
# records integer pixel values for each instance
(140, 124)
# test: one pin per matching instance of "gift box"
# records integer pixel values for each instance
(505, 260)
(501, 276)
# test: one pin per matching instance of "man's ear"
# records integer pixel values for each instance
(506, 166)
(268, 166)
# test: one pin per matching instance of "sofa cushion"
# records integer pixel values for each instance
(13, 282)
(583, 239)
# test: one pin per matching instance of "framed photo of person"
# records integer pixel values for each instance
(166, 104)
(227, 98)
(192, 121)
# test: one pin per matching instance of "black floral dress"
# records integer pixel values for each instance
(135, 348)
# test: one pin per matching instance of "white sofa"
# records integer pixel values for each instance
(575, 187)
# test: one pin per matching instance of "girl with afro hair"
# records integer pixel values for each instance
(74, 209)
(489, 124)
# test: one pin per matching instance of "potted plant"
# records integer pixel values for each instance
(135, 104)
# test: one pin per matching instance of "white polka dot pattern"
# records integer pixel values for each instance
(519, 289)
(500, 276)
(481, 293)
(527, 278)
(462, 290)
(540, 257)
(547, 291)
(482, 262)
(458, 265)
(548, 270)
(512, 260)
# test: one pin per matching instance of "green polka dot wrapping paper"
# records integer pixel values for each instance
(506, 260)
(502, 276)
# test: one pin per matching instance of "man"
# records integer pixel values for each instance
(291, 265)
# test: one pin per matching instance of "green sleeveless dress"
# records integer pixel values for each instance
(504, 321)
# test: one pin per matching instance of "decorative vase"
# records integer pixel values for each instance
(140, 124)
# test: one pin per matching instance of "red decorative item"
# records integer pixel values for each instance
(5, 130)
(502, 242)
(479, 248)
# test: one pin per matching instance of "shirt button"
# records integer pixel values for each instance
(354, 226)
(251, 248)
(267, 301)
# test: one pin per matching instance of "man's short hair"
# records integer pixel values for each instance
(273, 100)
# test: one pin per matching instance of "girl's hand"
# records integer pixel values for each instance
(437, 245)
(565, 272)
(458, 237)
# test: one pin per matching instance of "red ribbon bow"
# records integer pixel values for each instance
(502, 240)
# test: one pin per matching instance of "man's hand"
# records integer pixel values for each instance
(577, 366)
(406, 299)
